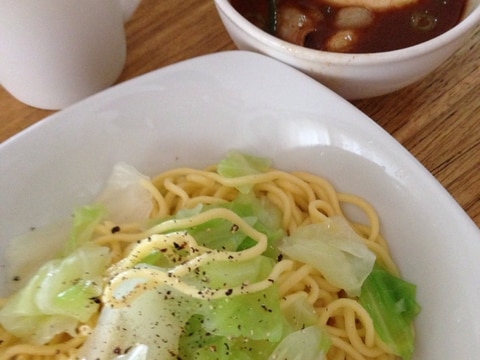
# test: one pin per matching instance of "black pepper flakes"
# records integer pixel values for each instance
(96, 300)
(115, 229)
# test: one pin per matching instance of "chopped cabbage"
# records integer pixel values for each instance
(155, 319)
(391, 303)
(237, 164)
(254, 316)
(124, 196)
(219, 274)
(22, 265)
(62, 293)
(311, 343)
(300, 314)
(202, 345)
(259, 213)
(84, 221)
(333, 248)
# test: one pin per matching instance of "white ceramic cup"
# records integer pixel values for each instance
(54, 53)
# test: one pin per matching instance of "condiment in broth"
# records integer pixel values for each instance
(353, 26)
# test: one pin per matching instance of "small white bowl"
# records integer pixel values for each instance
(354, 76)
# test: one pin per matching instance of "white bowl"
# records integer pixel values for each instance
(191, 113)
(353, 76)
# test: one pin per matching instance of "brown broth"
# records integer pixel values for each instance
(391, 29)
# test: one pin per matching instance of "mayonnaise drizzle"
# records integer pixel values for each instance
(170, 236)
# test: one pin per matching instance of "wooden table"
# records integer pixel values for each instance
(437, 119)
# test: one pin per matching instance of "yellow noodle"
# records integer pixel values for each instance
(320, 210)
(161, 208)
(323, 188)
(294, 278)
(350, 351)
(280, 199)
(361, 314)
(374, 222)
(41, 350)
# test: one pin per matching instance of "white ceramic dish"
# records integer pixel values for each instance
(354, 76)
(192, 112)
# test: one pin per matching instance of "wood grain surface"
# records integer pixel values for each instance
(436, 119)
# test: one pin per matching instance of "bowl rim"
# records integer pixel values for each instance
(467, 24)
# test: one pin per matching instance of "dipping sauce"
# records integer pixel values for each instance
(353, 26)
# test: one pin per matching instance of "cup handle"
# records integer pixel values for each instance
(128, 8)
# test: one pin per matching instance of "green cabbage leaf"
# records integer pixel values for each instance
(236, 164)
(62, 293)
(259, 213)
(391, 303)
(333, 248)
(311, 343)
(125, 197)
